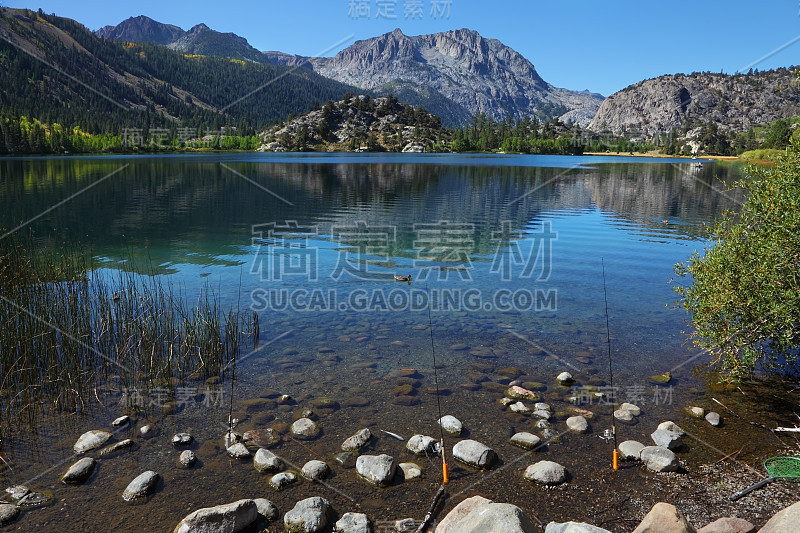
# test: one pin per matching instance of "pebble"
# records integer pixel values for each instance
(316, 470)
(578, 424)
(182, 439)
(546, 473)
(714, 419)
(697, 412)
(451, 424)
(91, 440)
(474, 454)
(266, 461)
(142, 485)
(525, 440)
(565, 378)
(631, 450)
(520, 393)
(145, 431)
(505, 402)
(410, 471)
(79, 472)
(187, 459)
(305, 429)
(282, 480)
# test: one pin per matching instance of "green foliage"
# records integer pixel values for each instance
(778, 135)
(744, 295)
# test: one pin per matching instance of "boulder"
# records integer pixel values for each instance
(356, 441)
(142, 485)
(631, 450)
(377, 469)
(668, 439)
(460, 511)
(525, 440)
(266, 461)
(79, 472)
(227, 518)
(421, 444)
(353, 523)
(728, 525)
(308, 516)
(474, 453)
(91, 440)
(659, 459)
(495, 518)
(664, 518)
(578, 424)
(785, 521)
(573, 527)
(546, 473)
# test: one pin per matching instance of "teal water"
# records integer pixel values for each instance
(505, 251)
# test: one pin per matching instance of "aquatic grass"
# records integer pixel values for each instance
(66, 328)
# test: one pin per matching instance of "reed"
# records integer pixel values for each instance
(66, 327)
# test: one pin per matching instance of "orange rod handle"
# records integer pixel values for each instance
(445, 479)
(615, 461)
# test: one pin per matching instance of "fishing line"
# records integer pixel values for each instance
(615, 456)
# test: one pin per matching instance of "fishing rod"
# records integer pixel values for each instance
(615, 456)
(445, 479)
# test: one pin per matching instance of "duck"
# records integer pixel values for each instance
(403, 278)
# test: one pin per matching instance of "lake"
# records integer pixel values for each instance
(505, 256)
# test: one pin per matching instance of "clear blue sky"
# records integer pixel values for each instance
(600, 45)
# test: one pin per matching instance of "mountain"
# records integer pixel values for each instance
(141, 29)
(56, 70)
(477, 74)
(734, 103)
(202, 40)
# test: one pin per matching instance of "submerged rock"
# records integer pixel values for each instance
(353, 523)
(305, 429)
(474, 453)
(79, 472)
(526, 440)
(308, 516)
(634, 409)
(91, 440)
(187, 459)
(410, 471)
(239, 451)
(578, 424)
(520, 393)
(263, 438)
(451, 425)
(565, 379)
(121, 421)
(316, 470)
(282, 480)
(142, 485)
(228, 518)
(266, 461)
(491, 517)
(117, 446)
(182, 439)
(714, 419)
(357, 441)
(421, 444)
(377, 469)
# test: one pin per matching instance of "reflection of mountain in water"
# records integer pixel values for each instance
(194, 210)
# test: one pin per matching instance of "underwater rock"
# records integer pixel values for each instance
(263, 438)
(305, 429)
(525, 440)
(182, 439)
(474, 453)
(356, 441)
(565, 379)
(91, 440)
(266, 461)
(410, 471)
(623, 415)
(714, 419)
(121, 421)
(142, 485)
(377, 469)
(634, 409)
(451, 425)
(421, 444)
(117, 446)
(8, 513)
(79, 472)
(238, 451)
(546, 473)
(578, 424)
(187, 459)
(316, 470)
(282, 480)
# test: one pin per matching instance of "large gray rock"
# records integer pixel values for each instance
(631, 450)
(353, 523)
(316, 470)
(526, 440)
(239, 451)
(495, 518)
(142, 486)
(785, 521)
(377, 469)
(421, 444)
(266, 509)
(451, 424)
(282, 480)
(8, 513)
(546, 473)
(573, 527)
(91, 440)
(671, 426)
(308, 516)
(664, 518)
(578, 424)
(227, 518)
(659, 459)
(474, 453)
(357, 441)
(728, 525)
(668, 439)
(266, 461)
(305, 429)
(79, 472)
(460, 511)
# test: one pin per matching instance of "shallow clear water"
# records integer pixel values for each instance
(506, 250)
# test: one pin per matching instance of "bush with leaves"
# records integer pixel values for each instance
(744, 295)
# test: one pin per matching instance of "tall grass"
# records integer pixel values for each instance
(65, 328)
